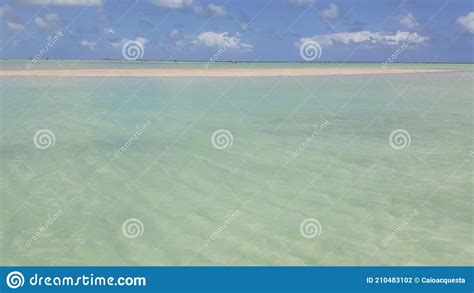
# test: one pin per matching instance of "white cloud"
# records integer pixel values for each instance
(410, 22)
(48, 21)
(332, 12)
(109, 31)
(5, 10)
(217, 10)
(175, 4)
(199, 10)
(12, 23)
(119, 44)
(467, 22)
(41, 22)
(65, 2)
(189, 5)
(301, 3)
(244, 27)
(174, 33)
(366, 37)
(142, 40)
(16, 26)
(217, 40)
(88, 44)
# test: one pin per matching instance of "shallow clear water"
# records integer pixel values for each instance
(242, 205)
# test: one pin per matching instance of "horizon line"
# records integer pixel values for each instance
(229, 61)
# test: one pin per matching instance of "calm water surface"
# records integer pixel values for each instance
(301, 148)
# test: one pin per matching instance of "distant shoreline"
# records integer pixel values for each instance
(212, 72)
(234, 62)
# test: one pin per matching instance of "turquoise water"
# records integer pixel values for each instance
(302, 148)
(95, 64)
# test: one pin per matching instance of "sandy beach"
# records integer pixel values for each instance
(260, 72)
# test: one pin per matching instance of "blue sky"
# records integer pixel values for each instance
(258, 30)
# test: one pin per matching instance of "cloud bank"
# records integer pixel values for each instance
(217, 40)
(467, 22)
(64, 2)
(366, 37)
